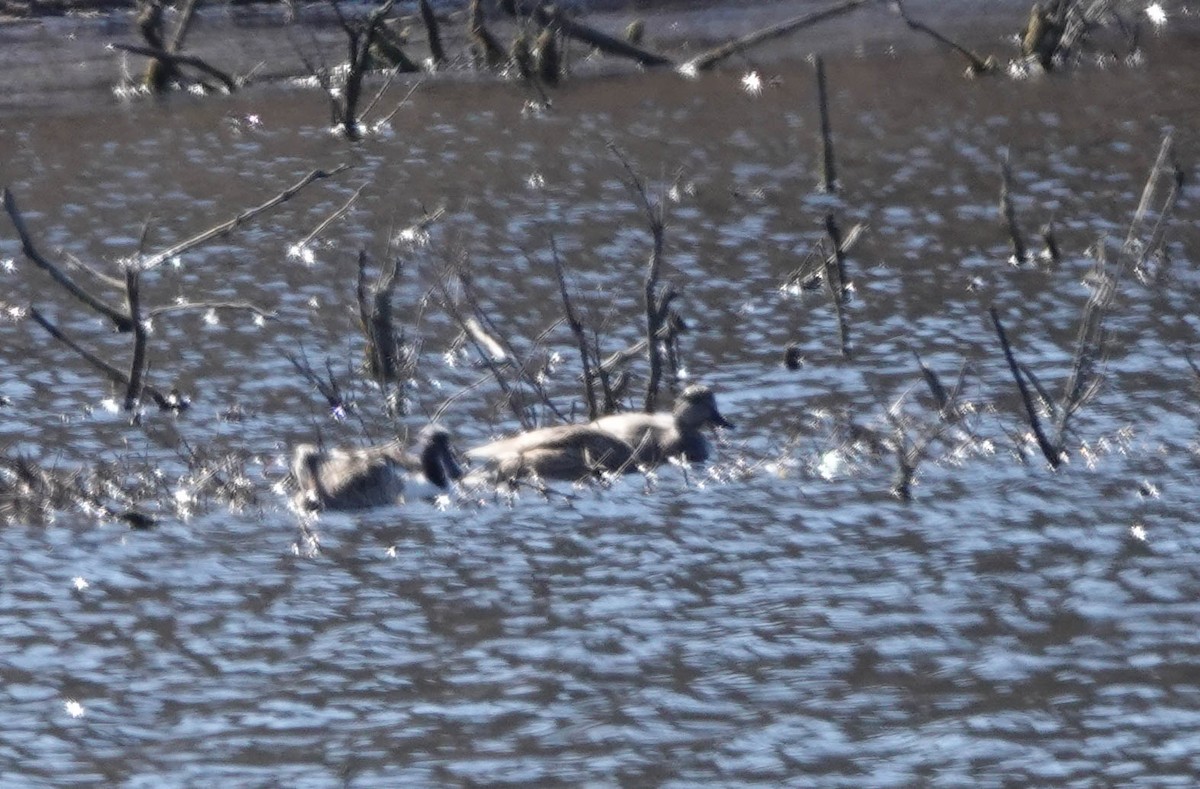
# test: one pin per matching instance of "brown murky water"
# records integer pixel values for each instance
(776, 618)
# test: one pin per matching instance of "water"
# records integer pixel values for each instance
(775, 618)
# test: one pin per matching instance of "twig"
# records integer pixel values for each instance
(403, 101)
(1159, 167)
(808, 273)
(329, 389)
(197, 306)
(1082, 384)
(225, 228)
(457, 316)
(655, 304)
(507, 352)
(576, 327)
(449, 401)
(329, 220)
(95, 273)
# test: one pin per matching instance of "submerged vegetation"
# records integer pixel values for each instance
(966, 418)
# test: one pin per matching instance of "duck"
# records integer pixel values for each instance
(660, 436)
(347, 479)
(560, 452)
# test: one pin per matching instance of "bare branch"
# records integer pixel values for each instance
(711, 58)
(174, 59)
(1009, 214)
(117, 318)
(198, 306)
(137, 365)
(1051, 452)
(165, 402)
(225, 228)
(978, 65)
(551, 17)
(329, 220)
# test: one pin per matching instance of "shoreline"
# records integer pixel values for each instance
(65, 61)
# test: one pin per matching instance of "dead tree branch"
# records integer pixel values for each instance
(1009, 214)
(828, 167)
(978, 65)
(207, 306)
(711, 58)
(137, 364)
(655, 301)
(835, 279)
(551, 17)
(176, 60)
(488, 47)
(114, 316)
(225, 228)
(436, 53)
(576, 327)
(166, 402)
(1052, 453)
(1134, 247)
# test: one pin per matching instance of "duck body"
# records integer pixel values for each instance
(662, 435)
(362, 478)
(562, 452)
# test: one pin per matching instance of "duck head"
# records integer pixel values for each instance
(697, 407)
(437, 457)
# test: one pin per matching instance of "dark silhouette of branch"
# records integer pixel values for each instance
(117, 318)
(177, 60)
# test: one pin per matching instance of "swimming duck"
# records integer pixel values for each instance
(659, 436)
(564, 452)
(355, 479)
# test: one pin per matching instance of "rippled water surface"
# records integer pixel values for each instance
(775, 618)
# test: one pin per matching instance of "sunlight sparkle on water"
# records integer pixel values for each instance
(1156, 13)
(752, 83)
(414, 236)
(13, 312)
(831, 464)
(1138, 532)
(302, 252)
(74, 708)
(80, 583)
